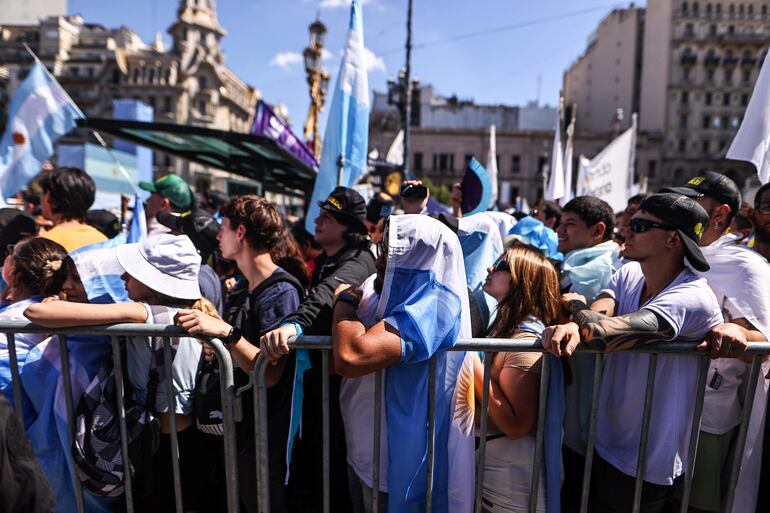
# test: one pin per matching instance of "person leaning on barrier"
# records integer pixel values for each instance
(412, 309)
(251, 227)
(68, 193)
(585, 239)
(526, 287)
(346, 258)
(161, 277)
(655, 297)
(739, 278)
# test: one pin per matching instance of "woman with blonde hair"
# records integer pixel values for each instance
(526, 287)
(161, 277)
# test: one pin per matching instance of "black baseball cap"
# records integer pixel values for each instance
(347, 207)
(199, 225)
(713, 185)
(686, 217)
(379, 206)
(104, 221)
(15, 225)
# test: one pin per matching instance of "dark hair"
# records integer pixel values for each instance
(638, 198)
(287, 255)
(263, 223)
(592, 210)
(552, 210)
(357, 240)
(72, 192)
(760, 192)
(302, 236)
(38, 266)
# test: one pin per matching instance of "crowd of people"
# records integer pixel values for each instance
(395, 288)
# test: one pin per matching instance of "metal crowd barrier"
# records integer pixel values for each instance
(490, 346)
(147, 330)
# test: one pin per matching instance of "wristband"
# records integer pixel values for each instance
(347, 297)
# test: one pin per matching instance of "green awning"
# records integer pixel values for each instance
(251, 156)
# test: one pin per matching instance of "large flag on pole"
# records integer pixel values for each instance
(40, 113)
(752, 142)
(555, 189)
(568, 151)
(347, 129)
(609, 175)
(492, 165)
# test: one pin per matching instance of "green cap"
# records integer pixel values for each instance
(172, 188)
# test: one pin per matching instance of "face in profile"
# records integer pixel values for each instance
(498, 282)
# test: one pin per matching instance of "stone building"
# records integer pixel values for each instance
(690, 78)
(187, 83)
(446, 132)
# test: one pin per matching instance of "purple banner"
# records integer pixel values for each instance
(267, 124)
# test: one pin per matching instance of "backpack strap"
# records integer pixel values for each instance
(278, 277)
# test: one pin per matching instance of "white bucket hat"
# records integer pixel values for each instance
(166, 263)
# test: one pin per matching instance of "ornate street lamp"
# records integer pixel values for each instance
(318, 80)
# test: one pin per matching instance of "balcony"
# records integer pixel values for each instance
(730, 61)
(711, 61)
(688, 59)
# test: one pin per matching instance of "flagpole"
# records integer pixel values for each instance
(98, 136)
(408, 90)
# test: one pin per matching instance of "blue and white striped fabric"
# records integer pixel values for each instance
(24, 342)
(40, 113)
(423, 296)
(100, 271)
(533, 232)
(481, 244)
(347, 128)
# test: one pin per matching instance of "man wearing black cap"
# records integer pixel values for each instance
(739, 278)
(341, 232)
(655, 297)
(202, 229)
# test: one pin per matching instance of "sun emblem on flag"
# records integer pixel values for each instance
(464, 400)
(18, 138)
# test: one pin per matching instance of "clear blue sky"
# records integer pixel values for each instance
(492, 51)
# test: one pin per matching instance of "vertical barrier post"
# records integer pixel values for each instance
(481, 456)
(67, 382)
(15, 377)
(171, 403)
(325, 416)
(431, 432)
(647, 414)
(117, 366)
(740, 440)
(259, 378)
(591, 441)
(377, 435)
(538, 456)
(697, 417)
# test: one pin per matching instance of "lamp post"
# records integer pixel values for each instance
(401, 96)
(318, 80)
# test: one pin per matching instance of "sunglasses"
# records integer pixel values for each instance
(501, 265)
(642, 225)
(763, 208)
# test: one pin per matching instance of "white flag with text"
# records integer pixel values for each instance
(607, 175)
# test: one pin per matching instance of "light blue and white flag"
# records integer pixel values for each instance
(533, 232)
(40, 113)
(481, 245)
(423, 296)
(347, 128)
(100, 271)
(137, 231)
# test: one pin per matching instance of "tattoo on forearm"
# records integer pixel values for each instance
(599, 331)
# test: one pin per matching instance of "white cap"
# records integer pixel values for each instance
(168, 264)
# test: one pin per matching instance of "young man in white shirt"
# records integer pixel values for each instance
(655, 297)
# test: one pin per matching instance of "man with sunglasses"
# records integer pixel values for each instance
(654, 297)
(739, 278)
(760, 218)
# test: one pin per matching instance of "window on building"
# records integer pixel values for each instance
(689, 30)
(731, 10)
(684, 98)
(683, 121)
(712, 30)
(735, 122)
(444, 162)
(722, 145)
(744, 100)
(417, 161)
(652, 168)
(541, 163)
(74, 72)
(151, 76)
(707, 121)
(684, 7)
(708, 9)
(764, 10)
(202, 83)
(682, 145)
(726, 99)
(516, 164)
(740, 10)
(514, 192)
(718, 9)
(686, 74)
(468, 157)
(202, 107)
(167, 104)
(751, 9)
(707, 99)
(709, 75)
(725, 121)
(728, 76)
(705, 146)
(695, 8)
(731, 29)
(167, 160)
(746, 76)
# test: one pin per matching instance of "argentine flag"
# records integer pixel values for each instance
(347, 129)
(40, 113)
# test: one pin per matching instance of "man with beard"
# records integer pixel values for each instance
(760, 218)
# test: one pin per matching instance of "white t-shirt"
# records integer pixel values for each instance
(357, 406)
(690, 307)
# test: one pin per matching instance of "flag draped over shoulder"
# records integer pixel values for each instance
(481, 245)
(423, 297)
(40, 112)
(752, 142)
(100, 271)
(347, 128)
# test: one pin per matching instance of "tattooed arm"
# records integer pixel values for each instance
(606, 333)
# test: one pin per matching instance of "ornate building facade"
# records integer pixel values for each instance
(187, 83)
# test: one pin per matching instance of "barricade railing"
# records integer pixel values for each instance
(489, 347)
(115, 332)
